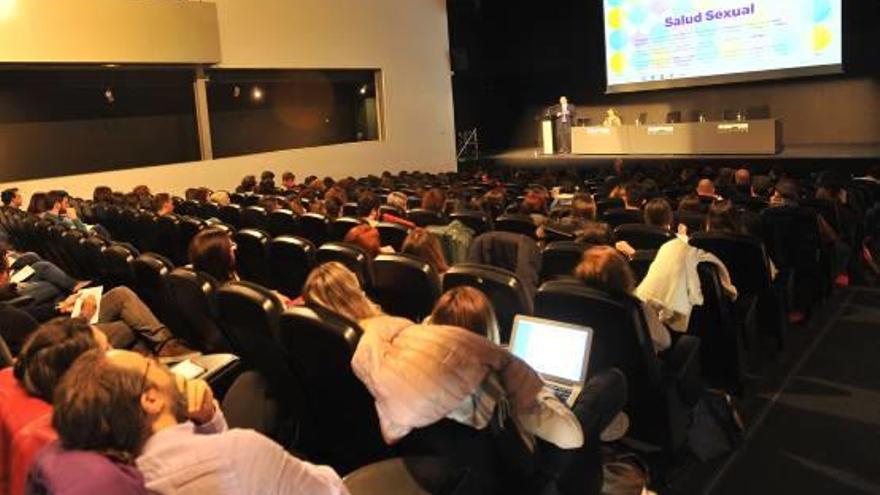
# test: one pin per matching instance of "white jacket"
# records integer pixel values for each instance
(672, 285)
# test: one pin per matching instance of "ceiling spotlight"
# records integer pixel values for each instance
(257, 93)
(236, 91)
(363, 90)
(108, 95)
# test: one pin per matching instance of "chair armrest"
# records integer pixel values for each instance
(682, 368)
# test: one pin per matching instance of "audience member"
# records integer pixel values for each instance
(220, 198)
(11, 198)
(658, 213)
(185, 446)
(367, 237)
(163, 205)
(706, 190)
(334, 287)
(248, 184)
(212, 251)
(604, 268)
(425, 246)
(434, 200)
(288, 181)
(60, 211)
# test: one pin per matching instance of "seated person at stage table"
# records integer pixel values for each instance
(612, 119)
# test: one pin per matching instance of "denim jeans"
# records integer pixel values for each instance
(48, 284)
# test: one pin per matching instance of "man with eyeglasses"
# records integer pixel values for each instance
(188, 447)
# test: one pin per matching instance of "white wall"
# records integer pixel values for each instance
(406, 39)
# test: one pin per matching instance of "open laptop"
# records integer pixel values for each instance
(558, 351)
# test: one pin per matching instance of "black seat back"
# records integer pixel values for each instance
(313, 226)
(291, 259)
(620, 216)
(392, 234)
(516, 223)
(192, 301)
(230, 215)
(641, 263)
(424, 218)
(504, 289)
(559, 259)
(322, 344)
(249, 314)
(282, 222)
(150, 270)
(339, 228)
(742, 255)
(404, 286)
(252, 259)
(353, 257)
(641, 236)
(117, 265)
(253, 217)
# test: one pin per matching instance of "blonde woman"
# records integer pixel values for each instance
(333, 286)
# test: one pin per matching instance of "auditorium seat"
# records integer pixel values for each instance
(722, 349)
(117, 258)
(231, 215)
(757, 305)
(391, 210)
(248, 404)
(641, 262)
(695, 222)
(350, 210)
(338, 228)
(660, 393)
(641, 236)
(412, 201)
(424, 218)
(93, 252)
(504, 289)
(253, 217)
(313, 226)
(291, 259)
(146, 235)
(559, 259)
(71, 241)
(150, 271)
(250, 314)
(352, 256)
(392, 234)
(603, 205)
(791, 236)
(516, 223)
(345, 427)
(422, 475)
(477, 221)
(188, 228)
(282, 222)
(193, 304)
(404, 286)
(616, 217)
(252, 259)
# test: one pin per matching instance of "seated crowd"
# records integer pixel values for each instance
(89, 405)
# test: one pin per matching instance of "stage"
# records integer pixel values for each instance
(531, 157)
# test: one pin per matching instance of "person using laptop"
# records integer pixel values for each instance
(596, 407)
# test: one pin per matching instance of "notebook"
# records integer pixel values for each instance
(559, 352)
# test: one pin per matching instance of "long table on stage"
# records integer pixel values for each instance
(758, 137)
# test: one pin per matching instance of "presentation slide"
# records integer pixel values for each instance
(653, 44)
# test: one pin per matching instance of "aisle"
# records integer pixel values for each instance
(818, 430)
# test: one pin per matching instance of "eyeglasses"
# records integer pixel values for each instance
(144, 378)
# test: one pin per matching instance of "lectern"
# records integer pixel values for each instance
(547, 145)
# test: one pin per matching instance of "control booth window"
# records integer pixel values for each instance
(254, 111)
(60, 121)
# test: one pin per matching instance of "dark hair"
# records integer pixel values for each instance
(604, 268)
(367, 203)
(595, 233)
(333, 206)
(267, 186)
(8, 195)
(267, 175)
(634, 194)
(691, 203)
(583, 206)
(55, 196)
(210, 251)
(425, 246)
(159, 201)
(434, 200)
(533, 203)
(788, 189)
(722, 217)
(142, 191)
(49, 352)
(465, 307)
(658, 212)
(97, 408)
(286, 176)
(248, 183)
(102, 194)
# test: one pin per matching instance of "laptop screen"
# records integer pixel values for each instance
(551, 347)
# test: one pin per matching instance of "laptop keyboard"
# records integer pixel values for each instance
(562, 393)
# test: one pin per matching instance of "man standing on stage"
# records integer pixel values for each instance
(564, 113)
